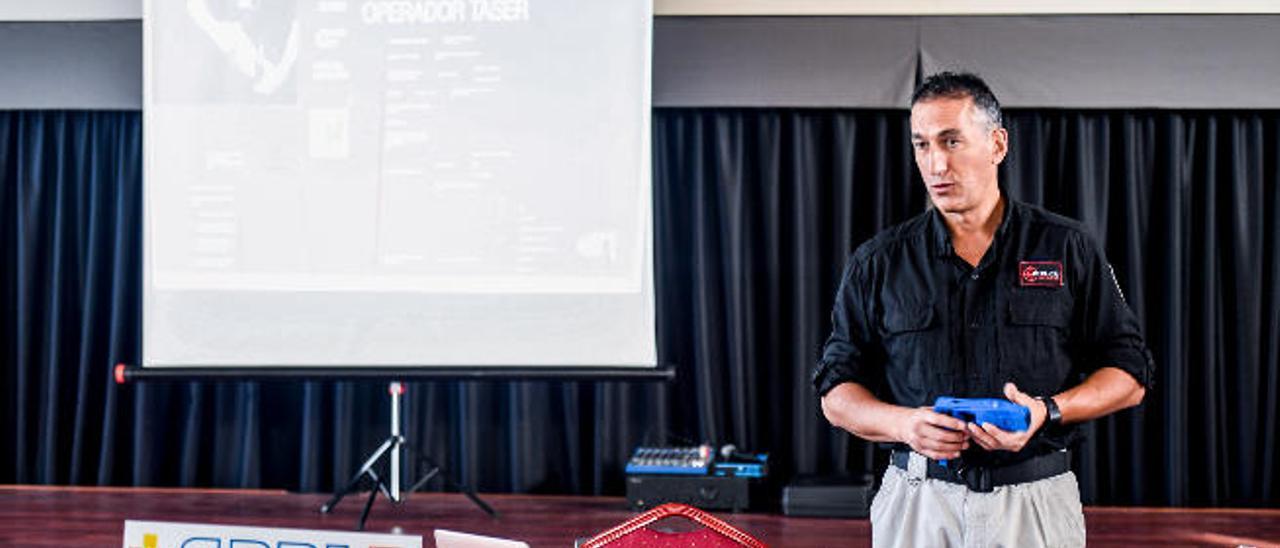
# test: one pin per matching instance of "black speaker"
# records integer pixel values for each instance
(828, 497)
(705, 492)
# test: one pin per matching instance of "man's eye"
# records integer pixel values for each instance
(920, 145)
(953, 143)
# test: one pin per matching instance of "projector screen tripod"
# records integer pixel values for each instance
(390, 487)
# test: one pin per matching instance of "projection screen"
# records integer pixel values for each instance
(397, 183)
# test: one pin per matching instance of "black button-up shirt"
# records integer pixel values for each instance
(912, 321)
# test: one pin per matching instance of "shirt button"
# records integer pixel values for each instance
(974, 275)
(974, 325)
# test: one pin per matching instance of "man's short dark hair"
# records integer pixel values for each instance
(956, 85)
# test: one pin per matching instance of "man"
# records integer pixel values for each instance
(981, 296)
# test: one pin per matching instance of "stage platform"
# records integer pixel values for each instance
(91, 516)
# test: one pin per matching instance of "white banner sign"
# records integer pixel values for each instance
(164, 534)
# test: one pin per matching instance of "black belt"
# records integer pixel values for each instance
(984, 479)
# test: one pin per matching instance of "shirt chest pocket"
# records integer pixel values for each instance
(912, 337)
(1035, 346)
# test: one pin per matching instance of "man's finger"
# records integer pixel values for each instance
(944, 421)
(994, 430)
(938, 419)
(1014, 395)
(989, 446)
(1007, 440)
(935, 455)
(953, 452)
(982, 438)
(945, 434)
(995, 441)
(936, 450)
(944, 443)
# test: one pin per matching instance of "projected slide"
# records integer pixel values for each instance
(324, 176)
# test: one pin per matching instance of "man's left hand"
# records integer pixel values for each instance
(992, 438)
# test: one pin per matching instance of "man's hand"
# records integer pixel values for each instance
(933, 435)
(992, 438)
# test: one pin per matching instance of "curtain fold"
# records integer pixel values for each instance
(755, 211)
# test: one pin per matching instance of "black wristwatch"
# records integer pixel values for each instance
(1054, 416)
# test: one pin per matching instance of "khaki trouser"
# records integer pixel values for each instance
(912, 510)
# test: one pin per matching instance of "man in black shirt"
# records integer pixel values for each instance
(981, 296)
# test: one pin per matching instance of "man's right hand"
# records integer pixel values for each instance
(854, 408)
(933, 435)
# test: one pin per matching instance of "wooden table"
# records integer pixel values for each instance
(94, 516)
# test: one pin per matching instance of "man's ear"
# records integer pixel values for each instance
(999, 144)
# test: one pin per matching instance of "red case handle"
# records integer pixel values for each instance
(669, 510)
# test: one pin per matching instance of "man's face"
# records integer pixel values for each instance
(957, 152)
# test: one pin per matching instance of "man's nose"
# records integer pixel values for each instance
(937, 161)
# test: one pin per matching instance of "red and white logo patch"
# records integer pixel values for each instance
(1040, 273)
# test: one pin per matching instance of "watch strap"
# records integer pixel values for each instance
(1053, 415)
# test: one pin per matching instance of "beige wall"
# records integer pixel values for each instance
(956, 7)
(98, 10)
(70, 10)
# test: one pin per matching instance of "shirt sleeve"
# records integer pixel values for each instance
(850, 353)
(1109, 334)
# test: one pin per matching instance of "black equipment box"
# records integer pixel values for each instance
(828, 497)
(706, 492)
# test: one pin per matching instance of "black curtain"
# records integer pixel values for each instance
(755, 211)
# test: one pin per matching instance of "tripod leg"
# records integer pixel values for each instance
(380, 485)
(476, 499)
(437, 469)
(338, 496)
(366, 468)
(368, 505)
